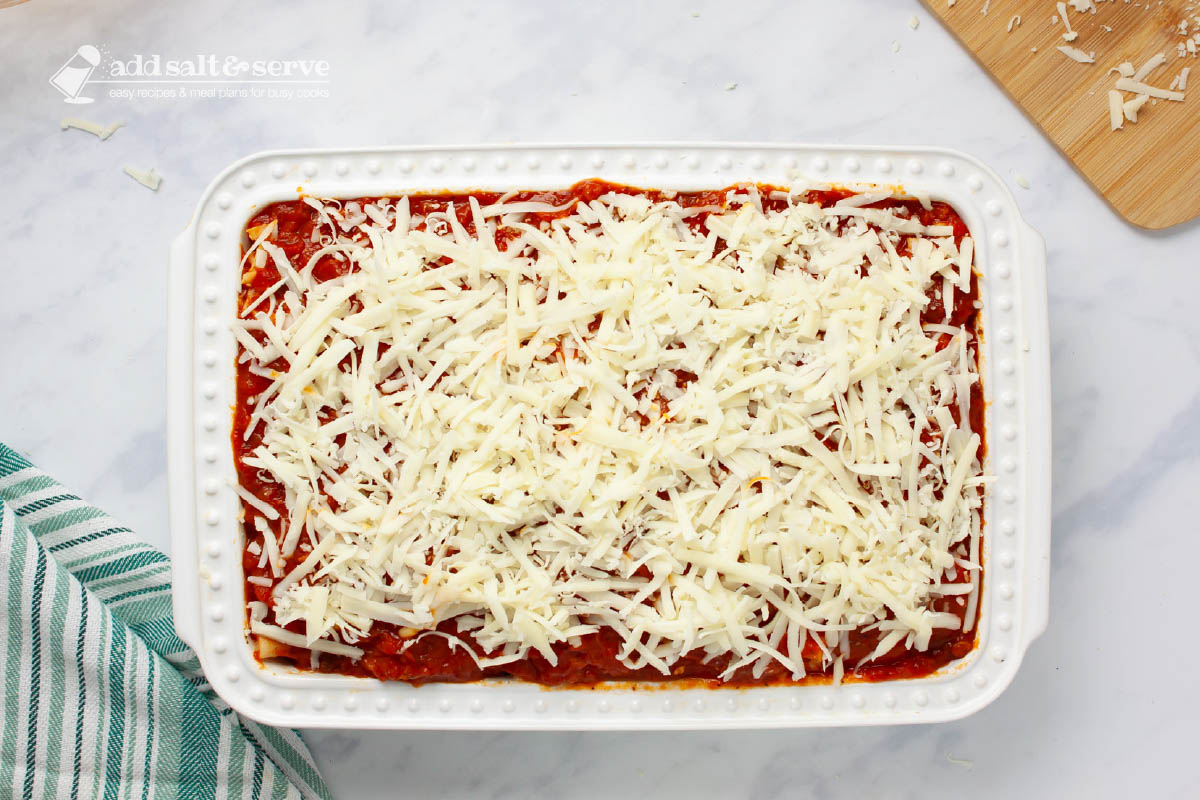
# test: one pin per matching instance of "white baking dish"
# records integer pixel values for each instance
(206, 537)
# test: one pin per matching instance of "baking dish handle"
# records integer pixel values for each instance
(180, 443)
(1036, 588)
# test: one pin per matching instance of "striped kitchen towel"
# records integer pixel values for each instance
(101, 698)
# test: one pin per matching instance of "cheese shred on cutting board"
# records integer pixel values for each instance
(729, 438)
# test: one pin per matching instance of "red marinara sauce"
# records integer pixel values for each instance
(390, 652)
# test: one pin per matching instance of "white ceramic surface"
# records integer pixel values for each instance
(206, 532)
(82, 340)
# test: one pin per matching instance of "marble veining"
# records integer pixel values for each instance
(82, 320)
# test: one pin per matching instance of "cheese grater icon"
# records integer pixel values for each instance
(72, 76)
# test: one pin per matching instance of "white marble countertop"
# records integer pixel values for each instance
(82, 320)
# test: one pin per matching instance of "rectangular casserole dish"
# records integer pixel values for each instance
(206, 535)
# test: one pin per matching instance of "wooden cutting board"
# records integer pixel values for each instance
(1149, 171)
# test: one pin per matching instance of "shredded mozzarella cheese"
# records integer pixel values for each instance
(728, 439)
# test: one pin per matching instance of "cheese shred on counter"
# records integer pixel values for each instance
(732, 440)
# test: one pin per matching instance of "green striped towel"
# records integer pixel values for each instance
(101, 698)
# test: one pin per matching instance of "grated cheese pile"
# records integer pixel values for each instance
(1186, 24)
(618, 421)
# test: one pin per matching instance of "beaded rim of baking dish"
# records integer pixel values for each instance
(206, 534)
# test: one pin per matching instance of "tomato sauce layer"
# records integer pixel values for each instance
(394, 653)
